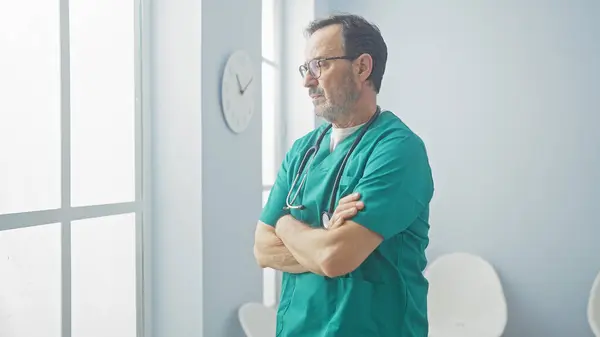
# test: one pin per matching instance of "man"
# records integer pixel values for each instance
(358, 273)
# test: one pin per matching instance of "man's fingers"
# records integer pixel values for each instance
(341, 216)
(355, 204)
(347, 208)
(349, 198)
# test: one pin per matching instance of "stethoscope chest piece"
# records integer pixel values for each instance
(325, 218)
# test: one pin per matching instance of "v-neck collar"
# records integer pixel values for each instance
(326, 158)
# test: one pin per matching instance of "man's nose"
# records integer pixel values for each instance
(309, 81)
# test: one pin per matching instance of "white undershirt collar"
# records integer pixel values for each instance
(339, 134)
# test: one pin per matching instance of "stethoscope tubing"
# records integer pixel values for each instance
(312, 151)
(338, 178)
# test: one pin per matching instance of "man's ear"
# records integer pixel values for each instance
(365, 66)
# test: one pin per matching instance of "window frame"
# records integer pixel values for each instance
(279, 134)
(66, 214)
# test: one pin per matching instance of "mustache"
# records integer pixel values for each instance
(315, 91)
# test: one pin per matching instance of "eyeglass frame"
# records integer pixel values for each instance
(305, 67)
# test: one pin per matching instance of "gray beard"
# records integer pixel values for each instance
(335, 113)
(339, 113)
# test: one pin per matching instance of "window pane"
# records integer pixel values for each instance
(29, 106)
(268, 124)
(104, 277)
(269, 275)
(268, 27)
(30, 282)
(269, 287)
(102, 101)
(265, 197)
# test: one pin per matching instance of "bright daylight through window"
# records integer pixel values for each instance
(70, 169)
(270, 136)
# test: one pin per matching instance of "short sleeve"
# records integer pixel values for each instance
(273, 209)
(396, 186)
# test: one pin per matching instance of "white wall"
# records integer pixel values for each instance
(207, 180)
(231, 170)
(175, 67)
(506, 97)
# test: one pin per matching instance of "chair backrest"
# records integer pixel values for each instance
(465, 291)
(257, 320)
(594, 307)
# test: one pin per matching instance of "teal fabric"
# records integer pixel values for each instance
(387, 295)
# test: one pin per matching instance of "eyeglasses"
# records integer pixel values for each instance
(314, 66)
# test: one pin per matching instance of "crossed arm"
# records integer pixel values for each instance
(329, 252)
(295, 247)
(270, 251)
(396, 187)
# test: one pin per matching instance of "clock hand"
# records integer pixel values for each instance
(239, 84)
(246, 87)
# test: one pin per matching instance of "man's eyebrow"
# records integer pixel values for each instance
(320, 57)
(314, 58)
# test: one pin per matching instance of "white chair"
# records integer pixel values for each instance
(466, 297)
(594, 307)
(258, 320)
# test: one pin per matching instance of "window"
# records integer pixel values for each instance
(71, 169)
(270, 121)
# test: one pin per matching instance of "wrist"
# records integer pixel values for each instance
(281, 224)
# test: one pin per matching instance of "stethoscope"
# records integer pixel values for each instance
(310, 155)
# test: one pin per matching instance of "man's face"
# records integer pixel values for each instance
(334, 90)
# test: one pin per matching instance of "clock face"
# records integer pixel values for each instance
(238, 90)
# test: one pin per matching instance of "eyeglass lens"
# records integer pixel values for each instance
(312, 67)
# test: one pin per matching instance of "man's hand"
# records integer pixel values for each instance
(270, 251)
(347, 208)
(330, 252)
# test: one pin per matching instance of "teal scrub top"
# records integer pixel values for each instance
(386, 296)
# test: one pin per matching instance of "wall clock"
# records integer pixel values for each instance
(238, 90)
